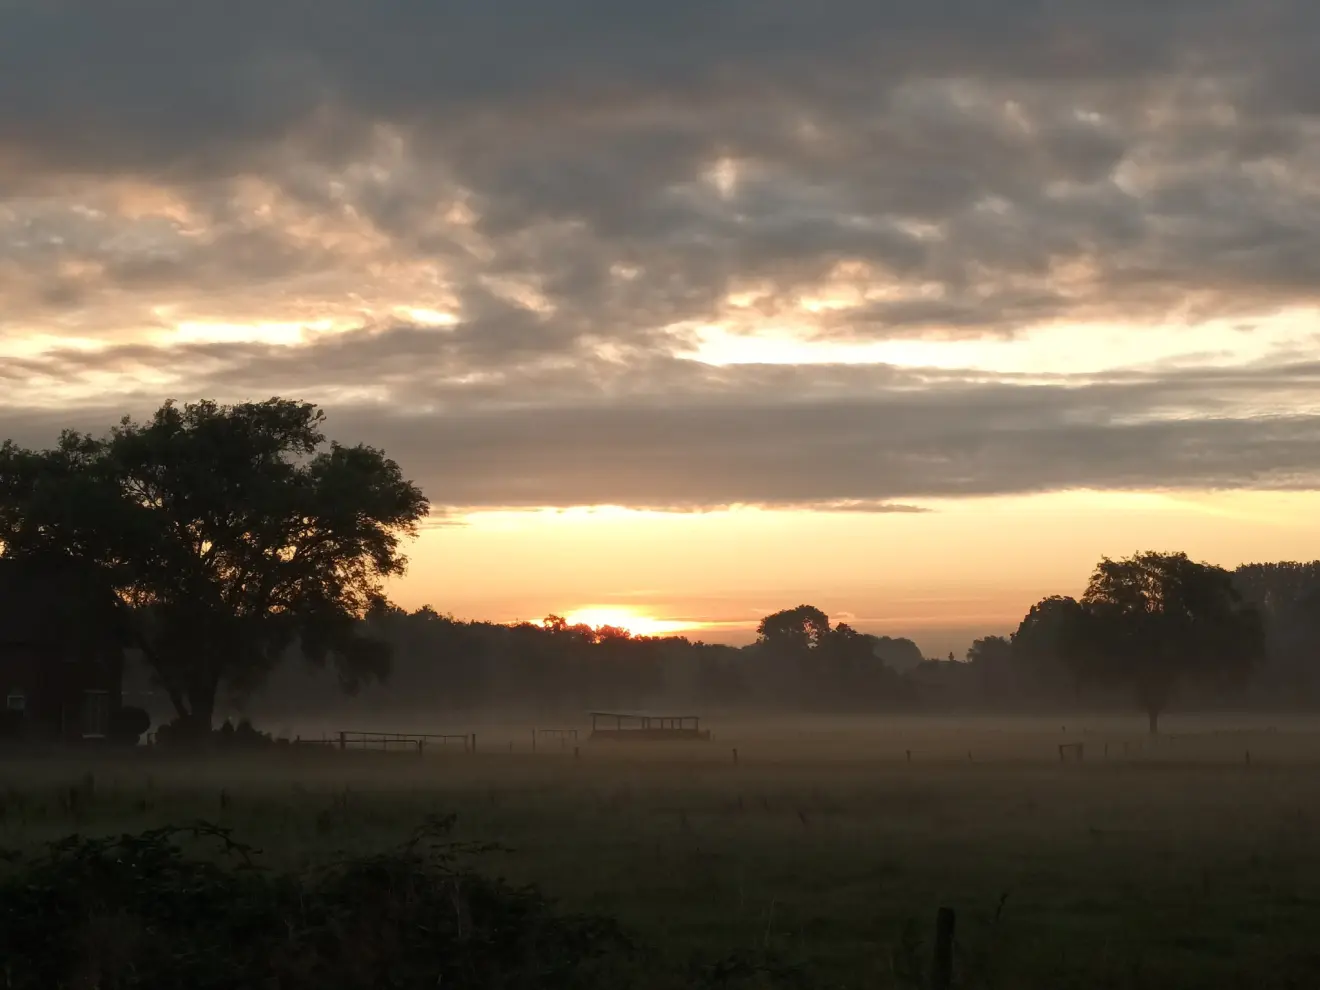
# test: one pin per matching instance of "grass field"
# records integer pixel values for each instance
(1175, 864)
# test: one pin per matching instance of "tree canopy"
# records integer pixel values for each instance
(794, 629)
(1287, 595)
(1154, 619)
(229, 533)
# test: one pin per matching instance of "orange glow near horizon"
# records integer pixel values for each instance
(967, 568)
(637, 623)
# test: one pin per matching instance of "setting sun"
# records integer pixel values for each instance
(625, 618)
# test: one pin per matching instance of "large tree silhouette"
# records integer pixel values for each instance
(1152, 620)
(794, 630)
(229, 533)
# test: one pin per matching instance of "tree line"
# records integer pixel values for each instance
(1149, 631)
(230, 541)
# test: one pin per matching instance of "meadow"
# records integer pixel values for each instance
(827, 847)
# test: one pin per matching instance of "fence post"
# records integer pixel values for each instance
(941, 967)
(533, 740)
(474, 742)
(343, 740)
(735, 756)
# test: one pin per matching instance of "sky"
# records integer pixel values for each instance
(686, 312)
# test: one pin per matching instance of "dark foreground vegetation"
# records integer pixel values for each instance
(192, 906)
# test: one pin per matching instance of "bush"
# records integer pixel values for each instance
(180, 734)
(137, 912)
(127, 725)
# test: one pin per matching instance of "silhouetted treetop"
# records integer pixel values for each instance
(1153, 619)
(800, 628)
(231, 531)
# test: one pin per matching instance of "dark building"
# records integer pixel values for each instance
(61, 653)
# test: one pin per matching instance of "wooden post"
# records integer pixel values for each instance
(474, 742)
(533, 740)
(343, 740)
(420, 744)
(510, 745)
(909, 756)
(575, 752)
(735, 756)
(1248, 757)
(941, 967)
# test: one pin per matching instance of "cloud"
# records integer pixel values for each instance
(684, 437)
(487, 231)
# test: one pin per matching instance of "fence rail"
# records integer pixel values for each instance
(417, 742)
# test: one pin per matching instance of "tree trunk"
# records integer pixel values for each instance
(195, 709)
(201, 705)
(176, 699)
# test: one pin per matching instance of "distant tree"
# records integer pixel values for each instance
(558, 626)
(1152, 620)
(991, 658)
(850, 672)
(1048, 646)
(229, 533)
(794, 630)
(1287, 595)
(990, 650)
(900, 654)
(1276, 588)
(850, 653)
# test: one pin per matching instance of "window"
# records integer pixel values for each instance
(16, 702)
(96, 714)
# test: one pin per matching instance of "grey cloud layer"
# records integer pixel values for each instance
(677, 436)
(550, 174)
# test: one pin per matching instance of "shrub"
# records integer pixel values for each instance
(127, 725)
(138, 912)
(180, 734)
